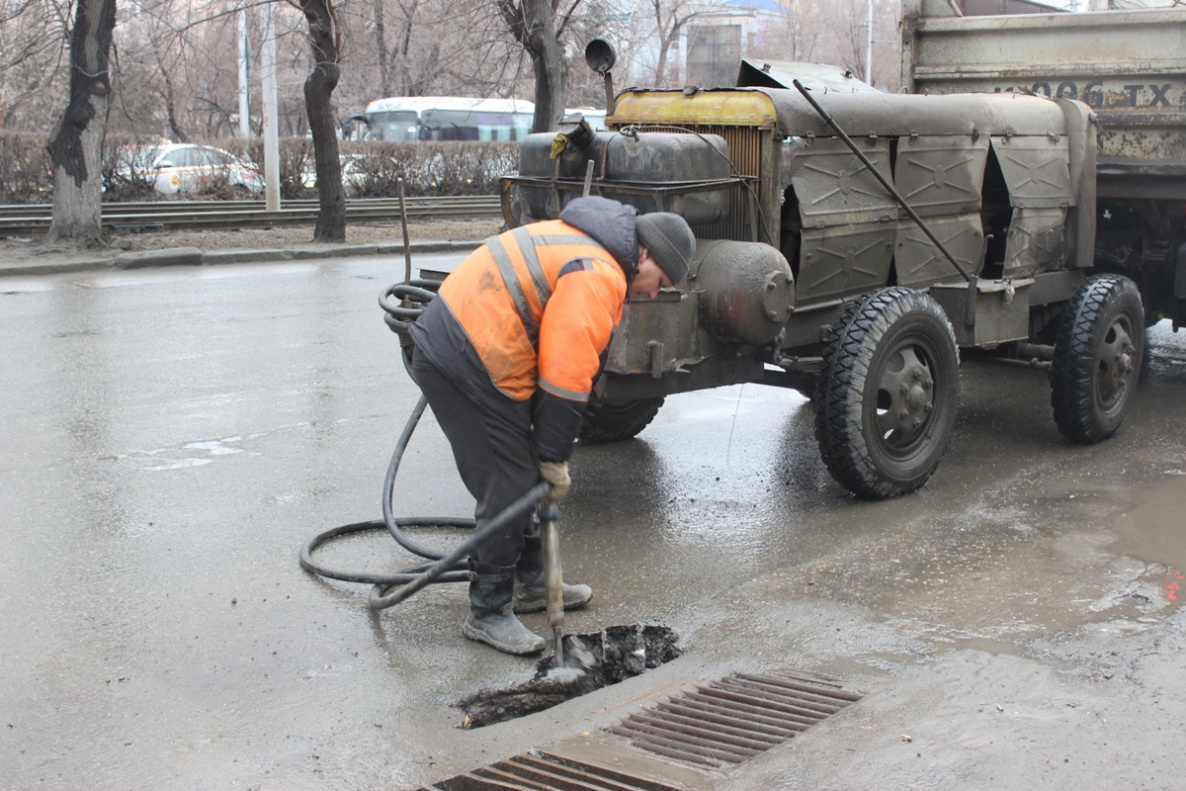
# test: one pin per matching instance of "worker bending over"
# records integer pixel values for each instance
(506, 356)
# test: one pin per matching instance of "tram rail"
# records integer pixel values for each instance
(34, 219)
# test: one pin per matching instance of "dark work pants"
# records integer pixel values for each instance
(492, 448)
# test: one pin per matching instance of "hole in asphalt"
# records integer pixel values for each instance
(594, 660)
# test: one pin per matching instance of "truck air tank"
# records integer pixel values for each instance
(746, 290)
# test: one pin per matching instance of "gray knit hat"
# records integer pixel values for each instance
(669, 240)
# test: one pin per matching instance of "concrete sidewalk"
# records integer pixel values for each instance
(57, 263)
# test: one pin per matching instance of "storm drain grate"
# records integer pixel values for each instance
(545, 772)
(725, 722)
(734, 718)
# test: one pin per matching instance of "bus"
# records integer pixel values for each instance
(451, 118)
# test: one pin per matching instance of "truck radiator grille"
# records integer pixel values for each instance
(745, 153)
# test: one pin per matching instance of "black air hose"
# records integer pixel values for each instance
(402, 304)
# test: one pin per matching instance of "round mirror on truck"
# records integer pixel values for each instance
(600, 56)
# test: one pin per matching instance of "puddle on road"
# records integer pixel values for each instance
(611, 655)
(1155, 530)
(191, 454)
(994, 577)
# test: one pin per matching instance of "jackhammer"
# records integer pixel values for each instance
(553, 579)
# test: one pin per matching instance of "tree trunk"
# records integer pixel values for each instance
(171, 110)
(76, 144)
(381, 47)
(406, 86)
(325, 41)
(549, 67)
(664, 44)
(533, 23)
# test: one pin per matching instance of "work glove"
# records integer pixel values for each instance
(555, 473)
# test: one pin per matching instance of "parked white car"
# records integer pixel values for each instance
(352, 172)
(186, 167)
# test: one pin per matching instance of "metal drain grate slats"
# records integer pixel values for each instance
(745, 737)
(739, 705)
(736, 739)
(671, 748)
(711, 714)
(734, 718)
(800, 692)
(793, 708)
(626, 781)
(822, 689)
(581, 776)
(673, 737)
(546, 772)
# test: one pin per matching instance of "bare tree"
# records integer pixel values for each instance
(76, 143)
(533, 23)
(848, 30)
(174, 75)
(379, 23)
(170, 96)
(398, 76)
(851, 31)
(166, 60)
(212, 78)
(32, 45)
(792, 35)
(670, 18)
(325, 41)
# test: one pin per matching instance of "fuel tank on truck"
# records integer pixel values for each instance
(623, 160)
(746, 290)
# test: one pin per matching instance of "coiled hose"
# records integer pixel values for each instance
(402, 304)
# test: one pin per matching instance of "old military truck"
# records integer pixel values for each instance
(858, 288)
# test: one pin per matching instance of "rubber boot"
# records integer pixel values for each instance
(531, 595)
(491, 620)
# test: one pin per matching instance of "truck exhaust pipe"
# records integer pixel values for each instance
(600, 57)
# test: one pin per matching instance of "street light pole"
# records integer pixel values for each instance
(244, 86)
(271, 133)
(869, 46)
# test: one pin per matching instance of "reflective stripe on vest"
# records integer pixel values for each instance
(527, 244)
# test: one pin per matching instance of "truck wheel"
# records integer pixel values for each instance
(1097, 358)
(887, 398)
(612, 421)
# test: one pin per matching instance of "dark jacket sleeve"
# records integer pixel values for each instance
(557, 421)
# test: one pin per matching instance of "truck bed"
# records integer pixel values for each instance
(1129, 66)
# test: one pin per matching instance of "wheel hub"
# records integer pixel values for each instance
(906, 397)
(1117, 362)
(918, 398)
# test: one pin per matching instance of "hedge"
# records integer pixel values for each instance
(369, 169)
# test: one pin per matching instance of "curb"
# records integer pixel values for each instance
(177, 256)
(57, 267)
(192, 256)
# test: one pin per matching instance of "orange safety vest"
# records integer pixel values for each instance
(533, 326)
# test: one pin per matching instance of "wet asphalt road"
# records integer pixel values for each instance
(172, 437)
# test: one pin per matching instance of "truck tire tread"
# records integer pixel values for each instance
(865, 464)
(616, 421)
(1090, 389)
